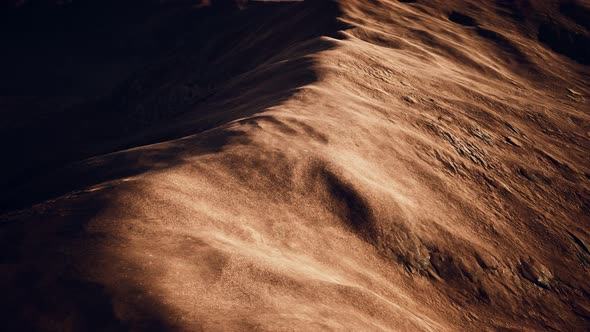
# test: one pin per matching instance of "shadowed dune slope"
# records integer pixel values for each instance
(113, 76)
(351, 165)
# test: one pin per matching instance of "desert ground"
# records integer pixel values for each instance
(354, 165)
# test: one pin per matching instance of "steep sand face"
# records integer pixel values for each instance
(424, 169)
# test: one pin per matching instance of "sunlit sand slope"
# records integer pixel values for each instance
(419, 165)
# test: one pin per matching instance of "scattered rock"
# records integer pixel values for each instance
(410, 99)
(512, 128)
(575, 95)
(479, 133)
(536, 272)
(512, 141)
(424, 263)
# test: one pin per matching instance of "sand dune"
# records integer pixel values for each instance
(318, 165)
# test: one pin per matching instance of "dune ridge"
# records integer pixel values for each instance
(392, 165)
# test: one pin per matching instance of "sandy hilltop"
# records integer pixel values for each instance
(361, 165)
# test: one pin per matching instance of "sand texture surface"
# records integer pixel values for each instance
(361, 165)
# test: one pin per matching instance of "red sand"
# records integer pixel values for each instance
(425, 169)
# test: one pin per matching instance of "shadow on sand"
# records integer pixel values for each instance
(210, 67)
